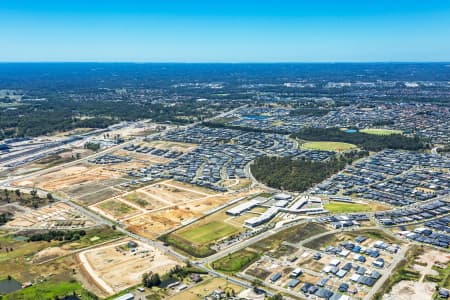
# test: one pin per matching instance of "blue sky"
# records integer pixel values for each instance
(225, 31)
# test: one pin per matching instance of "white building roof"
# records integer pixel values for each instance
(243, 207)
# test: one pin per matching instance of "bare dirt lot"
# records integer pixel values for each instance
(159, 207)
(117, 266)
(83, 180)
(411, 290)
(171, 193)
(148, 158)
(173, 146)
(114, 209)
(71, 176)
(421, 289)
(57, 215)
(154, 224)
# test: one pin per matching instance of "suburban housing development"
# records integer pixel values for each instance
(276, 184)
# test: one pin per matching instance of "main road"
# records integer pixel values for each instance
(100, 220)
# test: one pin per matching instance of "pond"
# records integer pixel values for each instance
(9, 286)
(255, 117)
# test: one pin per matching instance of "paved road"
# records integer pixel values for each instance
(203, 263)
(388, 272)
(100, 220)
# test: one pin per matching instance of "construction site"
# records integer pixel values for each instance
(117, 266)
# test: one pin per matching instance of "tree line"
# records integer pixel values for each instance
(57, 235)
(366, 141)
(151, 279)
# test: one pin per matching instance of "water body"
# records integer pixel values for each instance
(351, 131)
(255, 117)
(9, 286)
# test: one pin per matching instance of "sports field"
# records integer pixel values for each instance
(376, 131)
(342, 207)
(208, 232)
(328, 146)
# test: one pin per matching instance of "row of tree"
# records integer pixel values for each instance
(366, 141)
(5, 217)
(33, 200)
(57, 235)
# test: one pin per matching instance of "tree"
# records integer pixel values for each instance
(155, 280)
(34, 201)
(50, 197)
(18, 194)
(6, 193)
(276, 297)
(256, 283)
(146, 279)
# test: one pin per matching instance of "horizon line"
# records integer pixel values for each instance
(225, 62)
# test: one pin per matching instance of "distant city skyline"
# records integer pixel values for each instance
(231, 31)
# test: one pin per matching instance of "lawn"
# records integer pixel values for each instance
(376, 131)
(235, 262)
(207, 233)
(50, 290)
(342, 207)
(328, 146)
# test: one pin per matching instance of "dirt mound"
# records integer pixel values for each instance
(49, 253)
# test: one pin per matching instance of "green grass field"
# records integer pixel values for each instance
(116, 208)
(328, 146)
(50, 290)
(341, 207)
(207, 233)
(236, 261)
(376, 131)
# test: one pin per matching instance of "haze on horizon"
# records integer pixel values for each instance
(231, 31)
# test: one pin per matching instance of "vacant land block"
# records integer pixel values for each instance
(118, 266)
(173, 146)
(143, 200)
(114, 209)
(57, 215)
(273, 244)
(205, 288)
(235, 262)
(156, 223)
